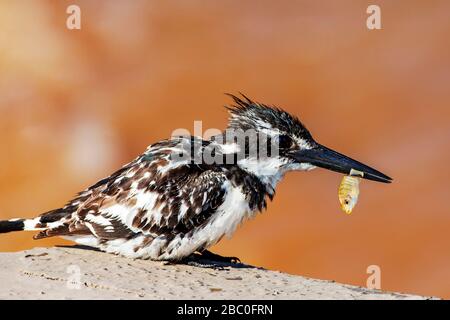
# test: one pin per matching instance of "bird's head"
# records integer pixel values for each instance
(295, 147)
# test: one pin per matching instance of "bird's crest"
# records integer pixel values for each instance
(247, 114)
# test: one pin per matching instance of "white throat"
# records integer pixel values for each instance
(271, 170)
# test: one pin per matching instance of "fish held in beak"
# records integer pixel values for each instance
(348, 191)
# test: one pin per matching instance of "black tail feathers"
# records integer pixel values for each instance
(11, 225)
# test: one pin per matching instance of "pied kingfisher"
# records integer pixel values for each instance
(164, 208)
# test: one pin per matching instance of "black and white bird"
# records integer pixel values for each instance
(162, 207)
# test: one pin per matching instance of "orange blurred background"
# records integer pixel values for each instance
(77, 104)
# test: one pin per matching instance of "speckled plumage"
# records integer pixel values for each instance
(158, 208)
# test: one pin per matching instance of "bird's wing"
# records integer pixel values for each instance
(152, 195)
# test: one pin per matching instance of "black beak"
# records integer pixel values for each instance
(323, 157)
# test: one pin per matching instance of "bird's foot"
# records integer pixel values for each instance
(196, 260)
(206, 254)
(206, 259)
(204, 264)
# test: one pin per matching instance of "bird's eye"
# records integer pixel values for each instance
(284, 142)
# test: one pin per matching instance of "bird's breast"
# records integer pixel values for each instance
(234, 210)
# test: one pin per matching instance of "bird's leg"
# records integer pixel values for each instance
(197, 259)
(206, 254)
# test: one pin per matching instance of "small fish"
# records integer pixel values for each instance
(348, 191)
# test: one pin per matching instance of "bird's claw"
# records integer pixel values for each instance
(206, 259)
(216, 257)
(233, 259)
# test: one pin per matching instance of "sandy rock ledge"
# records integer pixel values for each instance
(76, 273)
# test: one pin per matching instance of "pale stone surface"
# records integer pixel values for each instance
(45, 273)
